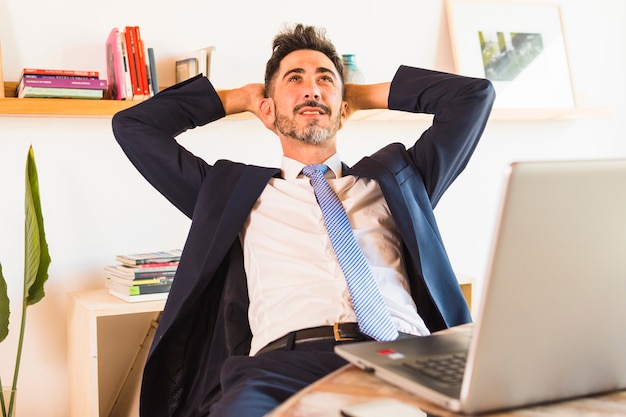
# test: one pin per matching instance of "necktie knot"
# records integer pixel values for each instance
(315, 170)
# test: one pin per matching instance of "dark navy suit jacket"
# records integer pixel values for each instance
(205, 318)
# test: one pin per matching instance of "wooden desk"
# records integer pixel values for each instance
(350, 385)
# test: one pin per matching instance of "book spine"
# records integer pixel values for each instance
(152, 281)
(34, 81)
(43, 71)
(58, 77)
(50, 92)
(142, 275)
(131, 273)
(127, 81)
(131, 47)
(153, 71)
(172, 255)
(149, 73)
(139, 289)
(155, 265)
(149, 289)
(145, 274)
(139, 281)
(141, 61)
(115, 66)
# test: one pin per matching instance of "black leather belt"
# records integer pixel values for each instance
(339, 332)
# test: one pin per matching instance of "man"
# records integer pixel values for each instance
(260, 299)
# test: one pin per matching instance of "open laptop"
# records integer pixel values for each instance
(552, 320)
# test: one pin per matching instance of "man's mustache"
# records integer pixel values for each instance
(312, 103)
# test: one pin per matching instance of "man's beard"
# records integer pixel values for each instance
(312, 133)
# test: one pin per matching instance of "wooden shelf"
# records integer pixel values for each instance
(35, 107)
(61, 107)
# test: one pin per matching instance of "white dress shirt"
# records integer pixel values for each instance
(294, 279)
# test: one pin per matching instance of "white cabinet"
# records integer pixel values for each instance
(108, 340)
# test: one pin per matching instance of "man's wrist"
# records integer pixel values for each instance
(242, 99)
(367, 96)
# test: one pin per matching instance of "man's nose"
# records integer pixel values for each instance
(312, 91)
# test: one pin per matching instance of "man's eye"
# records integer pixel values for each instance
(326, 78)
(294, 78)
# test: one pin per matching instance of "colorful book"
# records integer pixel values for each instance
(58, 77)
(116, 67)
(78, 73)
(140, 281)
(138, 289)
(51, 92)
(130, 272)
(139, 298)
(172, 255)
(153, 265)
(46, 81)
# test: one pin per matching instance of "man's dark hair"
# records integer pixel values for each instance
(300, 37)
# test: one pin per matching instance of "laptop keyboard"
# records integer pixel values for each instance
(446, 368)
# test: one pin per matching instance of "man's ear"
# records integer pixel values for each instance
(344, 113)
(267, 113)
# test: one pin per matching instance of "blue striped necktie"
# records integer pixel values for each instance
(371, 312)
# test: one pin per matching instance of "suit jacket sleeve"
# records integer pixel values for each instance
(146, 133)
(461, 108)
(414, 179)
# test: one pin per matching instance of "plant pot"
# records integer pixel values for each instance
(6, 394)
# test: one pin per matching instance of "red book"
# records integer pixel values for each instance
(156, 265)
(76, 73)
(131, 48)
(141, 60)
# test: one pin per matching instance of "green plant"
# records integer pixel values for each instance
(36, 262)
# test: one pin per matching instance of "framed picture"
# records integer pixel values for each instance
(520, 47)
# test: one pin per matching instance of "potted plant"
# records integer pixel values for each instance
(36, 262)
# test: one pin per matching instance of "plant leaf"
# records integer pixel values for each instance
(4, 308)
(36, 256)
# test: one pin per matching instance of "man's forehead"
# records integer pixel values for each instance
(307, 60)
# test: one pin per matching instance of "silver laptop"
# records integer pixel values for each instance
(552, 319)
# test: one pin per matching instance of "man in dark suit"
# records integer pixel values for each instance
(259, 300)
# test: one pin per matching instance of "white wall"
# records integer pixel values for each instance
(95, 205)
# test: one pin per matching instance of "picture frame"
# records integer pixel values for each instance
(519, 46)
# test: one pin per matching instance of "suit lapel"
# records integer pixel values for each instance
(224, 202)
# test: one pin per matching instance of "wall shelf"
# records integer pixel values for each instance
(36, 107)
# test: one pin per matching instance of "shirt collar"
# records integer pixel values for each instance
(292, 169)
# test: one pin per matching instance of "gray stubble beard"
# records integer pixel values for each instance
(313, 133)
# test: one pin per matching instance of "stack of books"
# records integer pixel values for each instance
(131, 66)
(54, 83)
(144, 276)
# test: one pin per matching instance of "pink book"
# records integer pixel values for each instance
(63, 82)
(115, 66)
